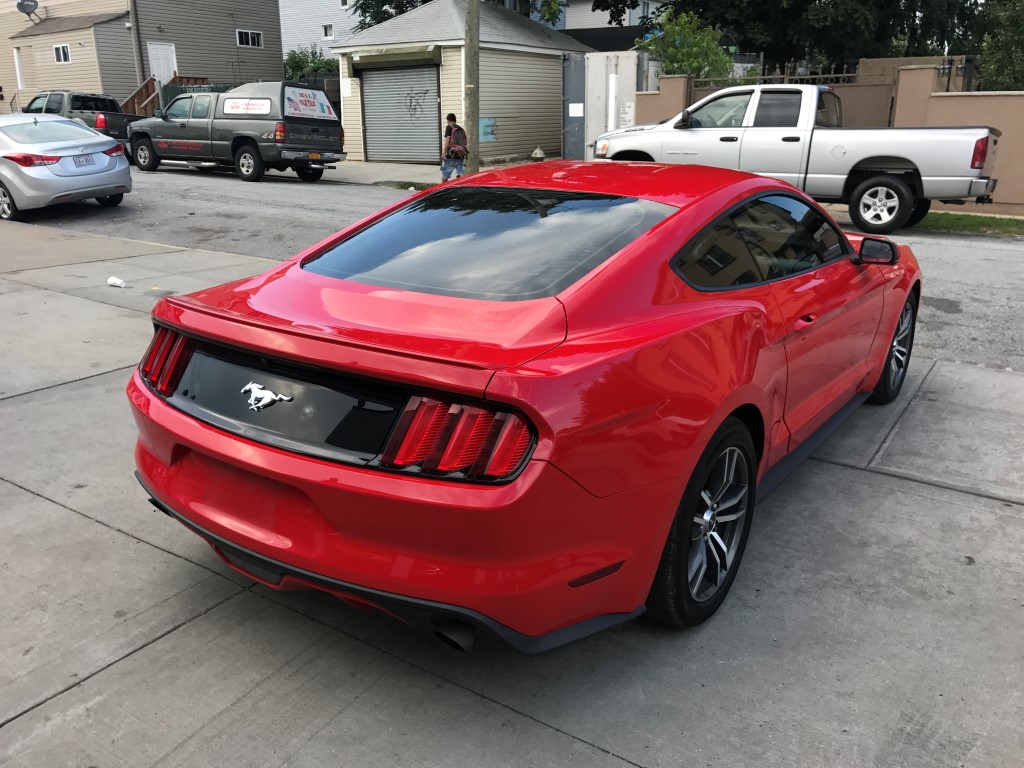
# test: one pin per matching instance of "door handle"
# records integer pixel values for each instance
(729, 138)
(805, 322)
(181, 125)
(791, 138)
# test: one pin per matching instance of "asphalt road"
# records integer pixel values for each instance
(971, 290)
(275, 218)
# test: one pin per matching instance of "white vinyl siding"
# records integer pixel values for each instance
(523, 93)
(82, 73)
(352, 119)
(116, 55)
(302, 23)
(451, 85)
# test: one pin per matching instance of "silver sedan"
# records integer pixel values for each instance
(46, 160)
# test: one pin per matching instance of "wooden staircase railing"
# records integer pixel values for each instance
(147, 97)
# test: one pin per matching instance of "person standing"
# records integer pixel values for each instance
(453, 154)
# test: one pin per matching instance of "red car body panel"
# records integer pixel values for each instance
(624, 376)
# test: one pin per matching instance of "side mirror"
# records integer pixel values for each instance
(876, 250)
(159, 113)
(683, 121)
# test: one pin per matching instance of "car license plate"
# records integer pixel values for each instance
(314, 155)
(83, 160)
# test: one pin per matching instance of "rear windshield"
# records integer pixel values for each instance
(46, 131)
(93, 104)
(491, 243)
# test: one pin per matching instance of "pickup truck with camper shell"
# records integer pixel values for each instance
(887, 176)
(281, 125)
(96, 110)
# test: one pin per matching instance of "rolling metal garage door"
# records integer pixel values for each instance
(400, 114)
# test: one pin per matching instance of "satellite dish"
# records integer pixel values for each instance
(28, 6)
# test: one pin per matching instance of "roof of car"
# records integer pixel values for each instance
(676, 185)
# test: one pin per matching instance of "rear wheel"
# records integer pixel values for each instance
(921, 208)
(8, 208)
(110, 201)
(709, 533)
(249, 165)
(145, 158)
(894, 372)
(310, 174)
(881, 204)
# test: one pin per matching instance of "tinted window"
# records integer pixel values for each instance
(777, 109)
(491, 243)
(54, 102)
(718, 259)
(786, 236)
(830, 110)
(179, 108)
(201, 106)
(48, 130)
(36, 105)
(726, 112)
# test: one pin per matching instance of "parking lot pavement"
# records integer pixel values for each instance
(876, 620)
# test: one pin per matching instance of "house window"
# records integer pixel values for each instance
(327, 32)
(249, 39)
(62, 54)
(343, 3)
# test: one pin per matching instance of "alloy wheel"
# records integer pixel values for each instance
(6, 205)
(142, 155)
(899, 360)
(879, 205)
(246, 163)
(718, 524)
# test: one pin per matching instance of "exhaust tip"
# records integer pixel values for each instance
(457, 635)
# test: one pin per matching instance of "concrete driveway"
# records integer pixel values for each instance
(876, 621)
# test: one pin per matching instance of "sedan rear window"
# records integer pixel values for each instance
(499, 244)
(46, 131)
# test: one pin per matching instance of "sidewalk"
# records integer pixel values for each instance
(876, 619)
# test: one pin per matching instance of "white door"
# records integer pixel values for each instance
(163, 61)
(713, 136)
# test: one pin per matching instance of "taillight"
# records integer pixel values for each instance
(101, 122)
(279, 133)
(26, 160)
(980, 153)
(442, 438)
(165, 360)
(114, 151)
(343, 139)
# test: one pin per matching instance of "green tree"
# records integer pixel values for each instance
(684, 46)
(372, 12)
(299, 61)
(1002, 64)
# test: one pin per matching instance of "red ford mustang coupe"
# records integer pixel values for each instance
(534, 403)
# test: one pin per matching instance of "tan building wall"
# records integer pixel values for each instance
(82, 73)
(451, 85)
(917, 105)
(671, 98)
(351, 111)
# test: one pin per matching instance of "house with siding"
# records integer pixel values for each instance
(399, 79)
(323, 23)
(113, 46)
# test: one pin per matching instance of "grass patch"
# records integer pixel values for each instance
(939, 221)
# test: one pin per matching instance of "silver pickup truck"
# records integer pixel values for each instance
(888, 176)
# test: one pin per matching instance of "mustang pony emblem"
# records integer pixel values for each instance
(261, 397)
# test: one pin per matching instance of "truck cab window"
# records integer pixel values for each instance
(54, 103)
(201, 107)
(830, 111)
(179, 108)
(778, 109)
(726, 112)
(36, 105)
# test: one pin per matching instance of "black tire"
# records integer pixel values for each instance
(249, 165)
(310, 174)
(110, 200)
(897, 362)
(881, 204)
(8, 208)
(683, 593)
(921, 208)
(146, 159)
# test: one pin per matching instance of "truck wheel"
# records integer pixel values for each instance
(310, 174)
(109, 201)
(921, 208)
(145, 158)
(249, 164)
(881, 205)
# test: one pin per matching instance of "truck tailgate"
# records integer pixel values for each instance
(313, 134)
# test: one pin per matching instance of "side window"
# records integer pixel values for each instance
(718, 259)
(54, 102)
(107, 105)
(830, 111)
(178, 110)
(36, 105)
(201, 106)
(726, 112)
(76, 102)
(778, 109)
(787, 236)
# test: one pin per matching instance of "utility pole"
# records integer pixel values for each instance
(472, 81)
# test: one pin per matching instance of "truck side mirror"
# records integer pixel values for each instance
(683, 121)
(158, 113)
(876, 250)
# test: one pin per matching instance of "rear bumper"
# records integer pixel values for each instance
(307, 156)
(537, 562)
(982, 187)
(38, 188)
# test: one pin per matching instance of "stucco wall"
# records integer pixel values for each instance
(670, 99)
(917, 105)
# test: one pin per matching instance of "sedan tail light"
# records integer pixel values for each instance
(165, 360)
(114, 151)
(101, 122)
(980, 153)
(26, 160)
(442, 438)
